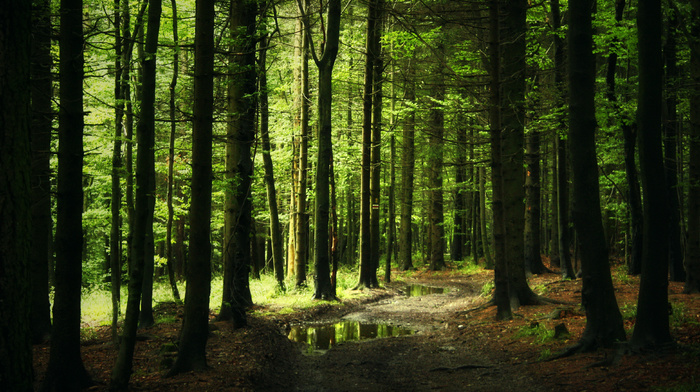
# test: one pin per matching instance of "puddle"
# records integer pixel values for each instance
(416, 290)
(324, 336)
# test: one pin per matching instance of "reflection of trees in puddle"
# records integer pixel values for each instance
(416, 290)
(325, 336)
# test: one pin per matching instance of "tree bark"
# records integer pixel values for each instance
(302, 216)
(603, 320)
(533, 258)
(145, 200)
(692, 251)
(436, 126)
(15, 189)
(501, 297)
(652, 326)
(65, 369)
(275, 229)
(195, 328)
(42, 116)
(407, 173)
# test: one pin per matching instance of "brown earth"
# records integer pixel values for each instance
(455, 348)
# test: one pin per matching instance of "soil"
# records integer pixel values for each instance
(454, 347)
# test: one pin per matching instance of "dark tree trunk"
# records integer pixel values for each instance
(675, 251)
(15, 202)
(489, 264)
(407, 169)
(603, 319)
(240, 136)
(195, 328)
(368, 232)
(512, 141)
(692, 249)
(376, 161)
(459, 238)
(302, 216)
(501, 297)
(42, 116)
(143, 220)
(533, 259)
(436, 128)
(391, 232)
(652, 328)
(324, 289)
(275, 229)
(171, 157)
(65, 369)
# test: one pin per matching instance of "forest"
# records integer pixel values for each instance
(190, 152)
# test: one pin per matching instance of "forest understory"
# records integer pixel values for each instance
(454, 347)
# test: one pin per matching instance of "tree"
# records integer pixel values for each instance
(692, 251)
(144, 205)
(603, 319)
(407, 172)
(501, 296)
(240, 136)
(369, 233)
(42, 116)
(324, 63)
(15, 208)
(65, 369)
(512, 141)
(652, 328)
(275, 229)
(195, 328)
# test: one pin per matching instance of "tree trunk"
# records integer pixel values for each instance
(692, 249)
(375, 151)
(391, 232)
(482, 219)
(567, 269)
(652, 326)
(65, 369)
(501, 297)
(195, 328)
(302, 217)
(603, 319)
(459, 238)
(171, 158)
(275, 229)
(368, 254)
(436, 125)
(143, 219)
(407, 169)
(675, 250)
(512, 141)
(15, 202)
(42, 115)
(324, 288)
(240, 136)
(533, 259)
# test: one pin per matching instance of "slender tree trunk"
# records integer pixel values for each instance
(367, 232)
(407, 170)
(533, 258)
(603, 319)
(275, 229)
(302, 217)
(143, 220)
(42, 115)
(323, 286)
(675, 251)
(391, 232)
(65, 369)
(16, 258)
(692, 249)
(652, 328)
(482, 219)
(435, 162)
(459, 238)
(171, 157)
(501, 297)
(195, 328)
(375, 151)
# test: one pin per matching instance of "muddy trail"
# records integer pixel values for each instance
(433, 357)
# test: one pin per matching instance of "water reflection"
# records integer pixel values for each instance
(416, 290)
(325, 336)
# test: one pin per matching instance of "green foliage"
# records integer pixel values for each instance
(691, 386)
(487, 288)
(540, 332)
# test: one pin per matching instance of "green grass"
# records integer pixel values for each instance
(541, 333)
(692, 386)
(487, 288)
(96, 304)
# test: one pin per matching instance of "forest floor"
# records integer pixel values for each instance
(453, 347)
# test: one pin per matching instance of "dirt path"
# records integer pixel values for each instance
(434, 358)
